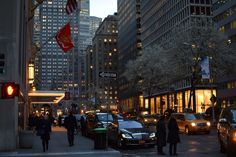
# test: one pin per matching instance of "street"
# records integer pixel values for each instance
(198, 145)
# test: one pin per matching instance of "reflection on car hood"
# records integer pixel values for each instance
(135, 130)
(198, 121)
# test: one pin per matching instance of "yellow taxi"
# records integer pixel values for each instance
(189, 123)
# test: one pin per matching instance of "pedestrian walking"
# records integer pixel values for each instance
(59, 120)
(71, 126)
(161, 135)
(83, 126)
(173, 136)
(43, 131)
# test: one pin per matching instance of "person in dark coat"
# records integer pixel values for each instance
(83, 126)
(71, 126)
(44, 129)
(59, 120)
(161, 135)
(173, 135)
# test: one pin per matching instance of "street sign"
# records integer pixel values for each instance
(107, 74)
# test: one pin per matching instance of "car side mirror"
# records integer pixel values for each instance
(222, 120)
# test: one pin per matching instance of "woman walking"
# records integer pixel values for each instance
(44, 131)
(173, 135)
(161, 135)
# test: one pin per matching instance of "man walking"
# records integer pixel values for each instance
(71, 125)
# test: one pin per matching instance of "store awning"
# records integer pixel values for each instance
(46, 97)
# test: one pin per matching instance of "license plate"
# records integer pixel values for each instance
(141, 142)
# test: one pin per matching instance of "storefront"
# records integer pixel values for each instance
(179, 100)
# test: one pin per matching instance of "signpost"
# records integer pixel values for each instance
(106, 74)
(109, 75)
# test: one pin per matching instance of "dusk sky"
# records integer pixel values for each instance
(102, 8)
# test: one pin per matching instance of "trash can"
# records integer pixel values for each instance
(100, 138)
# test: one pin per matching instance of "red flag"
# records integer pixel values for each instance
(71, 5)
(63, 38)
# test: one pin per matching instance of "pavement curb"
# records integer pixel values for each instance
(96, 153)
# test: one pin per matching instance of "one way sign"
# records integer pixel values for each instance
(108, 74)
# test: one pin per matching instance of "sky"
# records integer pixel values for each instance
(102, 8)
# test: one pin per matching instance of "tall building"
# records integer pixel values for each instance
(87, 28)
(94, 23)
(224, 15)
(158, 19)
(55, 69)
(129, 47)
(103, 57)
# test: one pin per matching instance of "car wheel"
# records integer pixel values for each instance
(187, 130)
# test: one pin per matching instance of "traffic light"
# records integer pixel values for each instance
(10, 90)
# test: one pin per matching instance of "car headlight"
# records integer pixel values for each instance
(145, 120)
(126, 136)
(99, 125)
(193, 124)
(152, 135)
(208, 124)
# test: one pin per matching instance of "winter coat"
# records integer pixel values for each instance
(161, 133)
(44, 129)
(70, 123)
(173, 131)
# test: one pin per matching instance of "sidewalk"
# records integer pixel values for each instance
(58, 146)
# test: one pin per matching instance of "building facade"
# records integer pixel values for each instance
(15, 55)
(129, 47)
(54, 69)
(102, 56)
(224, 15)
(158, 19)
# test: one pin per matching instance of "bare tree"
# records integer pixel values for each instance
(146, 72)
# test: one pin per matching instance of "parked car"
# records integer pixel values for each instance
(189, 123)
(130, 132)
(117, 117)
(97, 120)
(226, 129)
(148, 119)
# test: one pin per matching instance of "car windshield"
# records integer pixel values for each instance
(233, 116)
(149, 116)
(104, 117)
(199, 116)
(190, 117)
(130, 124)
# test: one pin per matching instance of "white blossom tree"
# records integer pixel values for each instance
(200, 40)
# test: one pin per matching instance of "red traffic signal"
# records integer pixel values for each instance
(10, 90)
